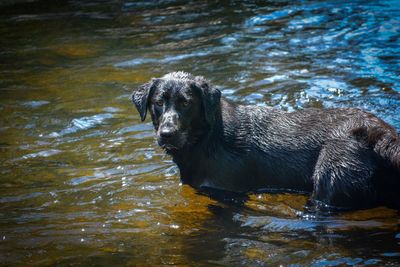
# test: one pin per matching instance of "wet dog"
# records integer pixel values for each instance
(346, 158)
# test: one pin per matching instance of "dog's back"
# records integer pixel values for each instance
(345, 156)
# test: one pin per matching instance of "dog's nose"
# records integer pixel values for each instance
(167, 132)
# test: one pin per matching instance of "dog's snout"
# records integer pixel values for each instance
(170, 117)
(169, 125)
(167, 132)
(170, 134)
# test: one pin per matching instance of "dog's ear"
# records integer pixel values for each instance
(210, 97)
(141, 96)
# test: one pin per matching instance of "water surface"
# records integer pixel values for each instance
(82, 179)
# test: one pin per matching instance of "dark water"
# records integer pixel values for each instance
(82, 180)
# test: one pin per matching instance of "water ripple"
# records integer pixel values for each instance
(167, 59)
(83, 123)
(45, 153)
(261, 19)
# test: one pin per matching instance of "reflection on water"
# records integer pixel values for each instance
(83, 181)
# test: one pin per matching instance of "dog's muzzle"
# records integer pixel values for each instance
(169, 134)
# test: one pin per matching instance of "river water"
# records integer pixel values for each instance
(82, 179)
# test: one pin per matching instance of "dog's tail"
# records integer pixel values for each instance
(385, 141)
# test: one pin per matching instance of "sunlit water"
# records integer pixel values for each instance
(82, 180)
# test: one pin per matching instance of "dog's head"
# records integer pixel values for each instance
(183, 108)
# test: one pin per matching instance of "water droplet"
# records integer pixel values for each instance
(174, 226)
(82, 239)
(83, 229)
(4, 237)
(104, 225)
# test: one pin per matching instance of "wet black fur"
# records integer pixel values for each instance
(345, 158)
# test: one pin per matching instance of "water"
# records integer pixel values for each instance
(82, 180)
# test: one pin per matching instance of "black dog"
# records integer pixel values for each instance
(347, 158)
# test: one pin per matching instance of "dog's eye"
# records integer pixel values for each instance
(159, 103)
(185, 103)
